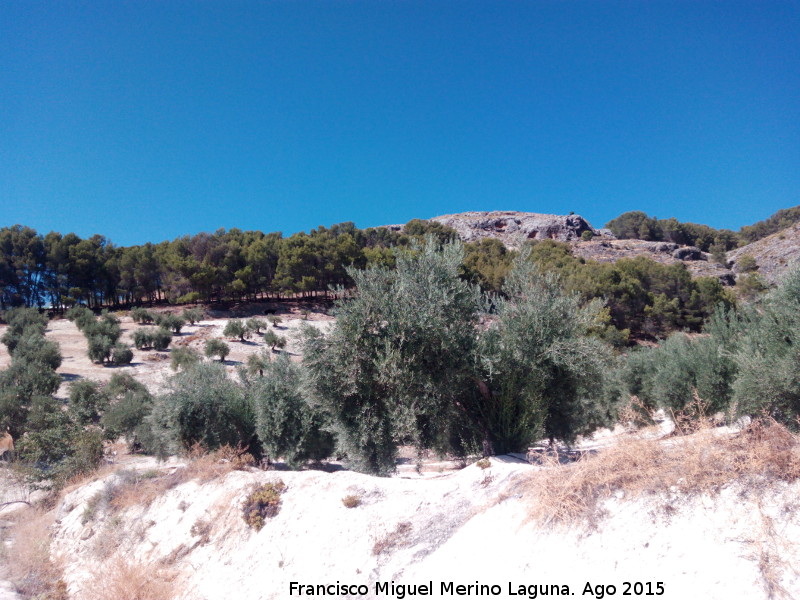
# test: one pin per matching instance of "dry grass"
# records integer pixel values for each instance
(351, 501)
(31, 569)
(393, 539)
(703, 462)
(142, 488)
(121, 580)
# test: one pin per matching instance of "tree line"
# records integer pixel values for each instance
(419, 355)
(638, 225)
(62, 270)
(643, 298)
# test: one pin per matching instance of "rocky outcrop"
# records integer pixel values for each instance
(774, 254)
(513, 228)
(688, 253)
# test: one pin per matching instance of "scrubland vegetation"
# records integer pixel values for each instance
(420, 355)
(459, 350)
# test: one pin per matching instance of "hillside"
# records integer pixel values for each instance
(773, 254)
(514, 228)
(178, 533)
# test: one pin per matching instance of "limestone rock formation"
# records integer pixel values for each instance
(513, 228)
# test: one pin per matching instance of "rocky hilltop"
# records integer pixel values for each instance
(513, 228)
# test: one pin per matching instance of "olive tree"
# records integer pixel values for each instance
(204, 406)
(540, 371)
(216, 347)
(391, 369)
(286, 424)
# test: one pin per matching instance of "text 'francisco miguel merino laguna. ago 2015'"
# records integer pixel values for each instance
(400, 591)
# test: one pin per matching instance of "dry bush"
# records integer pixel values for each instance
(635, 415)
(701, 463)
(31, 568)
(483, 463)
(393, 539)
(145, 487)
(121, 580)
(263, 502)
(351, 501)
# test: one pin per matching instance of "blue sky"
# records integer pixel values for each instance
(149, 120)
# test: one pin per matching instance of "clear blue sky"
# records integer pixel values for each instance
(148, 120)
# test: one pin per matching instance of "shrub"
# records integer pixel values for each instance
(395, 363)
(81, 316)
(235, 329)
(306, 313)
(33, 347)
(275, 320)
(129, 405)
(273, 340)
(351, 501)
(121, 354)
(262, 503)
(142, 339)
(216, 347)
(483, 463)
(171, 322)
(19, 320)
(141, 315)
(541, 370)
(204, 406)
(192, 315)
(746, 264)
(255, 325)
(100, 348)
(587, 235)
(285, 423)
(256, 363)
(767, 358)
(157, 338)
(87, 401)
(183, 357)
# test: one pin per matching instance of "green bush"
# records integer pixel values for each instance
(192, 315)
(130, 404)
(170, 322)
(746, 264)
(142, 339)
(121, 354)
(287, 426)
(235, 329)
(275, 320)
(273, 340)
(22, 321)
(541, 369)
(204, 406)
(767, 359)
(216, 347)
(33, 347)
(587, 235)
(100, 348)
(394, 365)
(183, 357)
(255, 325)
(81, 316)
(157, 338)
(262, 503)
(141, 315)
(87, 401)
